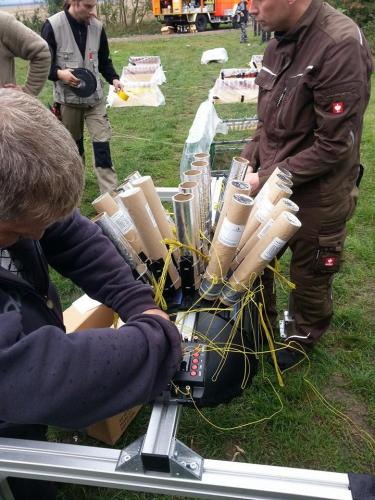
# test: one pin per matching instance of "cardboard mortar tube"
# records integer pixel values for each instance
(282, 205)
(261, 211)
(105, 203)
(148, 188)
(234, 187)
(284, 227)
(144, 221)
(284, 180)
(224, 248)
(272, 179)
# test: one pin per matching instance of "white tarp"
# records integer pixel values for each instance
(138, 95)
(234, 85)
(148, 73)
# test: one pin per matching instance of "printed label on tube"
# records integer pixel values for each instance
(123, 222)
(230, 234)
(273, 249)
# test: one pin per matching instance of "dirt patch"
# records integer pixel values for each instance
(234, 452)
(354, 408)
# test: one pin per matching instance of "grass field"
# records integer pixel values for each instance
(305, 433)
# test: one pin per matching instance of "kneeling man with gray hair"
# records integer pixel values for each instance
(48, 377)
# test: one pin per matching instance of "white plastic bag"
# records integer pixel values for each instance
(205, 126)
(214, 55)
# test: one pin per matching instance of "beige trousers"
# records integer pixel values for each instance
(99, 128)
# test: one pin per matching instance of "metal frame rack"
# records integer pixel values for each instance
(159, 463)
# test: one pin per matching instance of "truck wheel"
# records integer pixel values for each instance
(215, 26)
(201, 22)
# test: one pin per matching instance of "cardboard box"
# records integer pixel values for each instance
(111, 429)
(99, 317)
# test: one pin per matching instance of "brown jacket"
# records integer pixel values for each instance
(314, 89)
(16, 40)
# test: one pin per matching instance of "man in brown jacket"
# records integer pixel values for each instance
(313, 91)
(16, 40)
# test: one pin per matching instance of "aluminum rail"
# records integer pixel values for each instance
(220, 480)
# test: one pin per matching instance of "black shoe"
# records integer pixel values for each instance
(288, 357)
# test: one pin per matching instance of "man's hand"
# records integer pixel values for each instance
(67, 77)
(117, 84)
(157, 312)
(253, 180)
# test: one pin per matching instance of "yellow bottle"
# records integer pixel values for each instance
(123, 95)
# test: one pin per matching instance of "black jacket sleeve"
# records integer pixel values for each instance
(105, 62)
(78, 250)
(49, 36)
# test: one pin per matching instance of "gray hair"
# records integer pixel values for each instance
(41, 172)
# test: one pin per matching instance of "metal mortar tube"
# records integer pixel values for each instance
(192, 187)
(187, 234)
(204, 167)
(238, 169)
(113, 233)
(127, 182)
(197, 176)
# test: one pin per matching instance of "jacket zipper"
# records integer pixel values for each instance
(30, 289)
(278, 105)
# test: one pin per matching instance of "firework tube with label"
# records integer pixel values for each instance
(281, 205)
(155, 249)
(124, 248)
(242, 279)
(224, 248)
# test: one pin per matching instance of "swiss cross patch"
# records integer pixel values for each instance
(329, 261)
(337, 108)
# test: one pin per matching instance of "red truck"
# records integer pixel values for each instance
(201, 13)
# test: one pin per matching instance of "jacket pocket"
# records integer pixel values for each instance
(66, 60)
(328, 257)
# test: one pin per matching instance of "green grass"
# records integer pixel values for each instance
(305, 433)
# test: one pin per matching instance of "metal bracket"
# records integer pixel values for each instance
(159, 450)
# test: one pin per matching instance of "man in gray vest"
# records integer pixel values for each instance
(77, 40)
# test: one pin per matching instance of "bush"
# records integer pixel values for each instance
(369, 31)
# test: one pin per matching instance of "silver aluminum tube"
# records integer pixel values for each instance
(127, 182)
(187, 228)
(204, 167)
(113, 233)
(185, 216)
(192, 187)
(197, 176)
(238, 169)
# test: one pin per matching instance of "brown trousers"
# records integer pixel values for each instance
(316, 256)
